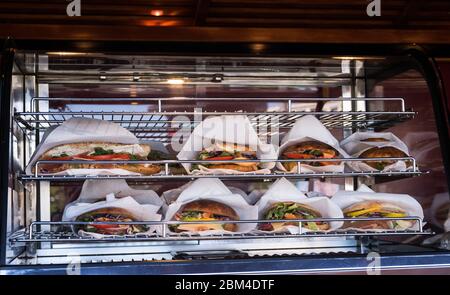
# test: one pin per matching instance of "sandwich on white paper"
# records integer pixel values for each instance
(368, 204)
(113, 210)
(208, 199)
(230, 139)
(309, 139)
(366, 145)
(91, 140)
(283, 201)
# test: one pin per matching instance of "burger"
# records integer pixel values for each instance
(110, 215)
(373, 209)
(227, 151)
(383, 152)
(292, 210)
(309, 150)
(205, 210)
(98, 151)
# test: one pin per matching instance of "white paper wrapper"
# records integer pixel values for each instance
(172, 195)
(325, 188)
(141, 212)
(77, 130)
(213, 189)
(94, 172)
(345, 199)
(228, 129)
(355, 147)
(284, 191)
(310, 128)
(95, 190)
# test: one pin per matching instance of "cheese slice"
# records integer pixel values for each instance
(394, 214)
(364, 211)
(200, 227)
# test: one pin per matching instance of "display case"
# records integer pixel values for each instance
(161, 97)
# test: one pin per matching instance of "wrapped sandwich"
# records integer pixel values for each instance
(375, 209)
(292, 210)
(228, 152)
(309, 150)
(109, 208)
(205, 210)
(367, 145)
(309, 139)
(227, 138)
(365, 203)
(110, 215)
(84, 139)
(383, 152)
(283, 201)
(98, 151)
(209, 199)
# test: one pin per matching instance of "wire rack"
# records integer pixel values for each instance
(167, 172)
(161, 231)
(162, 124)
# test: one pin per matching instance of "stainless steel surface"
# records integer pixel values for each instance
(166, 174)
(59, 236)
(156, 125)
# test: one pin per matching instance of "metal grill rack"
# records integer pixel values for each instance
(160, 125)
(33, 235)
(167, 174)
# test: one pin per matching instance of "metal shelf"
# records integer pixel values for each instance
(167, 174)
(391, 174)
(161, 124)
(32, 235)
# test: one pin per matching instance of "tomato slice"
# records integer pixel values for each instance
(66, 158)
(105, 226)
(221, 158)
(298, 156)
(108, 157)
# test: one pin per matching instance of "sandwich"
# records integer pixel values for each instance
(98, 151)
(292, 210)
(383, 152)
(309, 150)
(227, 151)
(205, 210)
(373, 209)
(110, 215)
